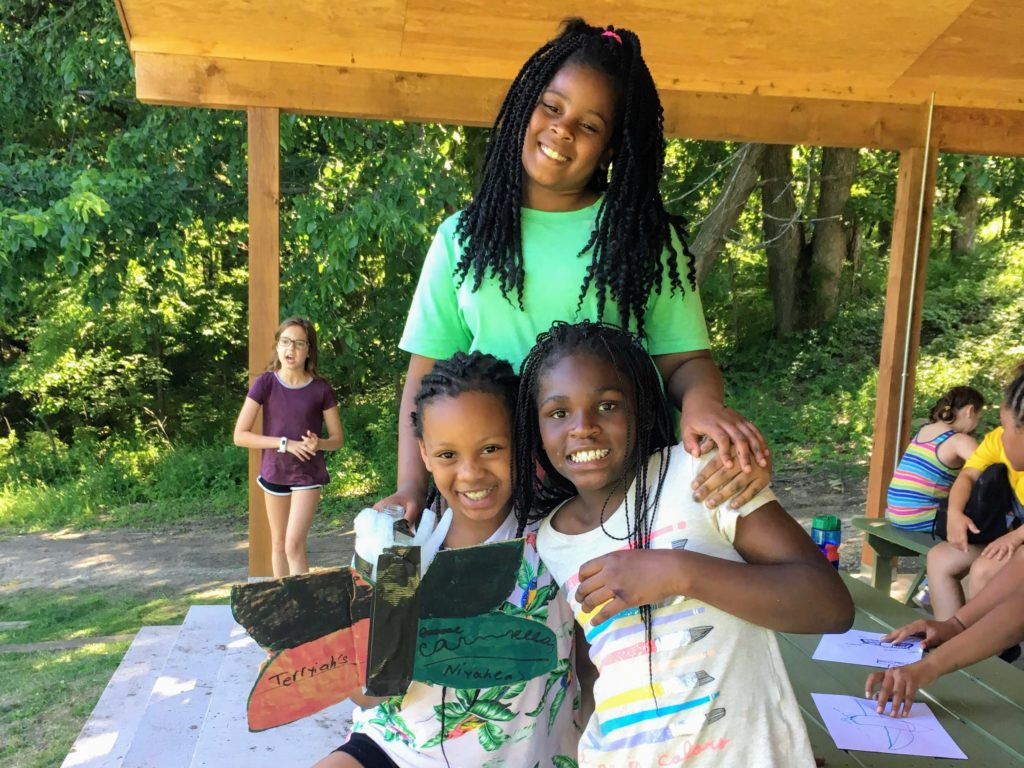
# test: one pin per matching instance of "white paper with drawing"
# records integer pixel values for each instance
(854, 723)
(868, 649)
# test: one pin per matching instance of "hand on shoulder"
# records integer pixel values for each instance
(717, 482)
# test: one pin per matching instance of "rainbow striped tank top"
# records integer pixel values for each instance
(919, 483)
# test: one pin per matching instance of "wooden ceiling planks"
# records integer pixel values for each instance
(998, 25)
(314, 31)
(808, 71)
(990, 74)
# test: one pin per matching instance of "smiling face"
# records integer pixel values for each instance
(293, 348)
(567, 138)
(586, 420)
(467, 447)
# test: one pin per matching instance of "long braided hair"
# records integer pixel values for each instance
(652, 432)
(633, 230)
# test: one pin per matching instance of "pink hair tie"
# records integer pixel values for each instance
(613, 35)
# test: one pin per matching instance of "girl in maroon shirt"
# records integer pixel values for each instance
(297, 402)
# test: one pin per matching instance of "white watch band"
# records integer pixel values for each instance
(283, 447)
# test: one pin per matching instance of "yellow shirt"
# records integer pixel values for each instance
(990, 452)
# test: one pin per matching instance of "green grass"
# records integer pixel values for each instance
(48, 695)
(47, 699)
(152, 486)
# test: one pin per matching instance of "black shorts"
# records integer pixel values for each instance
(366, 751)
(993, 507)
(276, 489)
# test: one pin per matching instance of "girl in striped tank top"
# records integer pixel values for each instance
(933, 459)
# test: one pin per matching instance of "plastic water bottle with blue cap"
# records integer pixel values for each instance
(826, 530)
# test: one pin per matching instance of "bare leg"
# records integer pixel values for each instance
(277, 515)
(982, 571)
(946, 567)
(339, 760)
(304, 504)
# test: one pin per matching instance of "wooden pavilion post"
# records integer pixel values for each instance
(264, 280)
(904, 298)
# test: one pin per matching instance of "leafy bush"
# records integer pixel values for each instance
(813, 393)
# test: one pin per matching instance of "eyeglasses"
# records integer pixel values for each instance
(285, 343)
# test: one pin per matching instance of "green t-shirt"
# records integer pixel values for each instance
(446, 318)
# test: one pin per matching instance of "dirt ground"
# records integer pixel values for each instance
(206, 559)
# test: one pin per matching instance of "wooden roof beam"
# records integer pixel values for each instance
(979, 131)
(388, 95)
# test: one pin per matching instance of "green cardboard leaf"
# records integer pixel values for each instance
(483, 651)
(471, 581)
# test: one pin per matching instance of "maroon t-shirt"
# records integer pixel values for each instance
(290, 411)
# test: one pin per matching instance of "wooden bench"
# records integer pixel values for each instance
(889, 542)
(982, 706)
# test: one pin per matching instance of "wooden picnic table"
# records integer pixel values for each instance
(982, 706)
(888, 542)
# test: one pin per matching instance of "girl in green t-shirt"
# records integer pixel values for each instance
(580, 132)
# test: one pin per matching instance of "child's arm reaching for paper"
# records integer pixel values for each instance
(990, 622)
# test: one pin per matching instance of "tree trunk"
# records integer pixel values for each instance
(966, 206)
(707, 245)
(884, 237)
(829, 247)
(783, 234)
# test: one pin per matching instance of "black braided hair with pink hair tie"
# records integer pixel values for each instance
(631, 247)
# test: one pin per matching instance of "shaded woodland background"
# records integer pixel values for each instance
(123, 280)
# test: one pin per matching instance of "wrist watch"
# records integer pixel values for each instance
(283, 447)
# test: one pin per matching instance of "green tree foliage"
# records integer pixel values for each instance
(365, 200)
(123, 235)
(120, 248)
(123, 265)
(123, 271)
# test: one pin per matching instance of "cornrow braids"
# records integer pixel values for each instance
(473, 372)
(947, 406)
(652, 432)
(631, 246)
(1013, 396)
